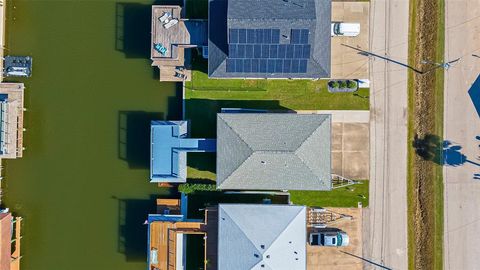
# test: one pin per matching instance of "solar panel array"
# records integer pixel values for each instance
(260, 51)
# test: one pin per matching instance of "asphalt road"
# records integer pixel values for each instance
(461, 126)
(385, 222)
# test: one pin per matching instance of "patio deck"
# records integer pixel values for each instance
(169, 38)
(184, 35)
(163, 239)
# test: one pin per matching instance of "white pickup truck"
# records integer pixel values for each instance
(345, 29)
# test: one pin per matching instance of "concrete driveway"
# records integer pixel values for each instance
(333, 257)
(350, 143)
(461, 126)
(347, 63)
(350, 150)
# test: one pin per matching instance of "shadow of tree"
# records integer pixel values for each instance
(452, 154)
(442, 152)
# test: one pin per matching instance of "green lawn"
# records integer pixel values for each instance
(280, 94)
(341, 197)
(205, 97)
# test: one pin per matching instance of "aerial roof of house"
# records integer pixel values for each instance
(252, 236)
(169, 145)
(269, 38)
(273, 151)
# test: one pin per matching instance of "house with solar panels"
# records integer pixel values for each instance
(170, 143)
(269, 39)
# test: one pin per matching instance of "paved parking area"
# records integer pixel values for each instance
(333, 257)
(350, 142)
(346, 62)
(350, 150)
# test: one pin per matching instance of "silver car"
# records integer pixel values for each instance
(329, 239)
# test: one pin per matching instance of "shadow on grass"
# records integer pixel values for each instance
(203, 113)
(198, 201)
(428, 147)
(202, 161)
(441, 152)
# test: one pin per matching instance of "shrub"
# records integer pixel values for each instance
(343, 84)
(191, 188)
(333, 84)
(351, 84)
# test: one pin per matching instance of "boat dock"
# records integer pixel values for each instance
(172, 36)
(3, 18)
(11, 120)
(10, 235)
(16, 256)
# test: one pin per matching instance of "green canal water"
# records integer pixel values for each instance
(82, 185)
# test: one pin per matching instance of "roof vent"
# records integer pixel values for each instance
(263, 162)
(256, 255)
(262, 246)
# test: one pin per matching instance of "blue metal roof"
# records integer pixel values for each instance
(169, 147)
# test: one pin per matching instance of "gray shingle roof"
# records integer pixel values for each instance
(251, 235)
(273, 151)
(314, 15)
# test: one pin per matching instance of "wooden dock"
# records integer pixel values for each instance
(163, 235)
(16, 255)
(12, 114)
(163, 240)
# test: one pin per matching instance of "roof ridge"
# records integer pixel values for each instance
(246, 236)
(289, 223)
(238, 135)
(313, 131)
(232, 129)
(239, 166)
(304, 141)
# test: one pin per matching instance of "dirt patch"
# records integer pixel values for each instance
(424, 123)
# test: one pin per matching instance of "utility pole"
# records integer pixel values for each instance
(444, 65)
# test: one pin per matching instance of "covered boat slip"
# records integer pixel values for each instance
(11, 117)
(167, 236)
(169, 145)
